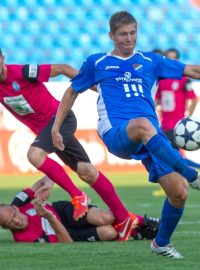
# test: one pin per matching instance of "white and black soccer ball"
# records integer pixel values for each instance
(187, 133)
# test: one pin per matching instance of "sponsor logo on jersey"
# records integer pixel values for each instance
(46, 226)
(19, 104)
(15, 86)
(112, 67)
(128, 78)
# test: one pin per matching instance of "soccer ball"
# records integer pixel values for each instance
(187, 133)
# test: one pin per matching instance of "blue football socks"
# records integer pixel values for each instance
(192, 163)
(169, 220)
(160, 148)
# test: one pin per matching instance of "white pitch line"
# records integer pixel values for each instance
(189, 222)
(188, 232)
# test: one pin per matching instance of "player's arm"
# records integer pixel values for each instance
(41, 189)
(192, 71)
(190, 106)
(68, 71)
(66, 103)
(191, 98)
(61, 232)
(63, 69)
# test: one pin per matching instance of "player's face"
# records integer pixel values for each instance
(172, 55)
(14, 220)
(124, 40)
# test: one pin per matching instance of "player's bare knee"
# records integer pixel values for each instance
(106, 233)
(140, 128)
(180, 198)
(87, 172)
(106, 218)
(36, 156)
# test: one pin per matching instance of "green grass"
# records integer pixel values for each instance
(136, 193)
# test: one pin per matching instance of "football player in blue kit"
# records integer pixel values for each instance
(126, 81)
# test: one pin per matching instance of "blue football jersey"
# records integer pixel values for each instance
(126, 86)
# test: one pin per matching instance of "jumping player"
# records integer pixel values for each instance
(126, 80)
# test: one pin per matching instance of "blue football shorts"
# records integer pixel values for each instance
(119, 144)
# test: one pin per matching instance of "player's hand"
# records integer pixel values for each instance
(41, 210)
(58, 141)
(43, 193)
(42, 188)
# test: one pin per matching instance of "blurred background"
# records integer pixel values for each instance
(57, 31)
(67, 31)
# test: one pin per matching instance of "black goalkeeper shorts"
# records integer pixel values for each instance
(73, 152)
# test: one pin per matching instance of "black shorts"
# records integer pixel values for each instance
(79, 230)
(170, 136)
(73, 152)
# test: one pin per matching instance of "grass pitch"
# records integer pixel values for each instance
(136, 193)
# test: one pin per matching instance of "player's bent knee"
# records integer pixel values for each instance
(180, 198)
(36, 156)
(106, 233)
(87, 172)
(139, 128)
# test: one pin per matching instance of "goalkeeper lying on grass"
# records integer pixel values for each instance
(43, 222)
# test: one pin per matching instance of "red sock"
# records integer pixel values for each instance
(141, 220)
(58, 175)
(108, 194)
(133, 232)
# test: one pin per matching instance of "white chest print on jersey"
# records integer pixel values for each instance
(133, 89)
(46, 226)
(168, 101)
(19, 105)
(127, 78)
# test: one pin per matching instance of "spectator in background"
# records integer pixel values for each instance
(175, 99)
(159, 51)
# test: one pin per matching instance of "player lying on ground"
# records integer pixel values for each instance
(36, 222)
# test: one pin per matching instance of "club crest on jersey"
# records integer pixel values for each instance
(138, 67)
(15, 86)
(31, 212)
